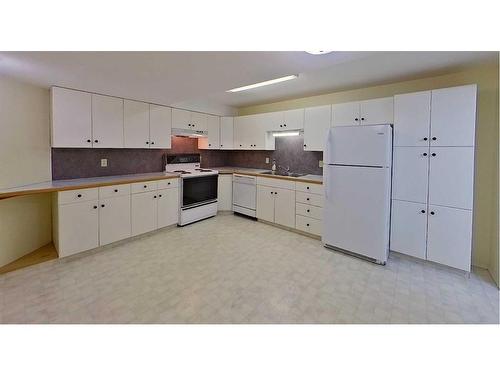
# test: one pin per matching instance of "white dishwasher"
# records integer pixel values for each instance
(244, 194)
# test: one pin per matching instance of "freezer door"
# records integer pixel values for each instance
(359, 145)
(357, 210)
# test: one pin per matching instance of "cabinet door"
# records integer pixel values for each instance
(71, 118)
(409, 228)
(144, 212)
(317, 121)
(377, 111)
(284, 207)
(135, 124)
(449, 237)
(225, 193)
(160, 126)
(293, 119)
(181, 119)
(78, 227)
(107, 121)
(451, 176)
(242, 132)
(345, 114)
(412, 119)
(114, 219)
(265, 203)
(453, 116)
(213, 139)
(168, 207)
(226, 133)
(270, 121)
(410, 173)
(199, 121)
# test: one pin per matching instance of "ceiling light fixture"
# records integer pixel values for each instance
(265, 83)
(318, 52)
(286, 134)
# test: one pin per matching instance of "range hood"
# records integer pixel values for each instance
(190, 133)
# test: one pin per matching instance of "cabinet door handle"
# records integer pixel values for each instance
(154, 196)
(96, 141)
(145, 186)
(362, 119)
(425, 138)
(168, 183)
(210, 144)
(281, 126)
(159, 195)
(308, 210)
(305, 145)
(102, 205)
(434, 138)
(424, 154)
(433, 154)
(116, 190)
(356, 119)
(95, 207)
(307, 187)
(284, 125)
(147, 142)
(422, 211)
(88, 140)
(307, 224)
(152, 142)
(432, 212)
(79, 195)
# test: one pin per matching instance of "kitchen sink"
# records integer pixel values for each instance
(285, 174)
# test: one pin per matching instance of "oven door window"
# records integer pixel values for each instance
(197, 190)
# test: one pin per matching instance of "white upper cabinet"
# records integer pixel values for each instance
(199, 121)
(71, 118)
(226, 133)
(412, 118)
(136, 124)
(269, 121)
(345, 114)
(410, 174)
(107, 121)
(160, 126)
(366, 112)
(453, 116)
(293, 119)
(377, 111)
(243, 128)
(317, 121)
(451, 177)
(213, 139)
(183, 119)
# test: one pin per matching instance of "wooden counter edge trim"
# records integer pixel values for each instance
(20, 193)
(298, 179)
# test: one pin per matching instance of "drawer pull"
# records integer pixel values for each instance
(307, 199)
(145, 186)
(307, 224)
(308, 210)
(79, 195)
(116, 190)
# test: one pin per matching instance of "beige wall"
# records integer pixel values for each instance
(485, 201)
(25, 223)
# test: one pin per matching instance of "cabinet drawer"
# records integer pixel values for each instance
(141, 187)
(79, 195)
(309, 188)
(309, 225)
(308, 198)
(114, 191)
(169, 183)
(276, 182)
(309, 211)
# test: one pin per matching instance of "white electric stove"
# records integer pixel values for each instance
(198, 192)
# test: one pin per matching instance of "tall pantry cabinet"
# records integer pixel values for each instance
(433, 175)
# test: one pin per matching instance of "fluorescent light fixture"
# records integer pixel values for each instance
(286, 134)
(318, 52)
(265, 83)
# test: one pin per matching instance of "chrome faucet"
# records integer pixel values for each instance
(286, 170)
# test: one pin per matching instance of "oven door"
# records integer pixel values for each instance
(197, 191)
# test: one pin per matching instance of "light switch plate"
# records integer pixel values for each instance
(104, 162)
(267, 160)
(321, 163)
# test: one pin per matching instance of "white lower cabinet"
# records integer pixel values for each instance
(410, 173)
(309, 207)
(449, 236)
(276, 204)
(76, 227)
(225, 192)
(309, 225)
(114, 219)
(144, 212)
(168, 207)
(409, 228)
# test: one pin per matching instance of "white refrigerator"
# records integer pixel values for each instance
(357, 182)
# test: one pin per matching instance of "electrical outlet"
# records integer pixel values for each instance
(104, 162)
(321, 163)
(267, 160)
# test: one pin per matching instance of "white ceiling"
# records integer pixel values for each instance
(204, 77)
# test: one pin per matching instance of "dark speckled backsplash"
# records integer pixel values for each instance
(85, 162)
